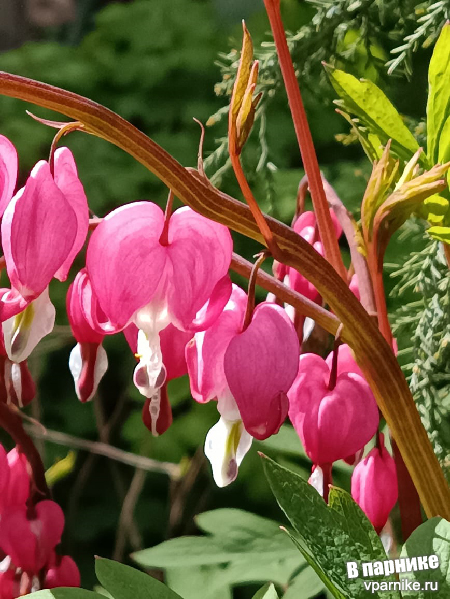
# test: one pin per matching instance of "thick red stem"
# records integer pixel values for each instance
(305, 142)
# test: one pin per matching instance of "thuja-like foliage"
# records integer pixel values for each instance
(426, 321)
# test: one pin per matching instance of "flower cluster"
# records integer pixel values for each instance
(29, 534)
(162, 280)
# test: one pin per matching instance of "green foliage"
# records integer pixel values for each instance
(123, 582)
(64, 594)
(438, 108)
(240, 548)
(327, 536)
(431, 538)
(426, 322)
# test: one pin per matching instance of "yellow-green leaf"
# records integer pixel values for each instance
(365, 100)
(440, 233)
(438, 107)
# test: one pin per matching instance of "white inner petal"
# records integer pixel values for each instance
(226, 444)
(23, 332)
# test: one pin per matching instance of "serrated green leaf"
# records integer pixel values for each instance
(438, 106)
(267, 592)
(64, 594)
(124, 582)
(365, 100)
(331, 536)
(440, 233)
(431, 538)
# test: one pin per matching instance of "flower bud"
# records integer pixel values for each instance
(63, 572)
(374, 485)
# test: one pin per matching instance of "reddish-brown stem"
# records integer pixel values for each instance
(11, 422)
(305, 142)
(164, 239)
(251, 289)
(447, 253)
(327, 479)
(334, 365)
(253, 205)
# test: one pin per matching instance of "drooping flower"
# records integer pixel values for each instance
(374, 485)
(88, 361)
(30, 542)
(17, 489)
(227, 442)
(260, 365)
(43, 228)
(138, 277)
(332, 423)
(248, 372)
(16, 383)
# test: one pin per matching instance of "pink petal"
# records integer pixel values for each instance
(260, 365)
(81, 329)
(38, 232)
(91, 310)
(12, 303)
(213, 307)
(199, 251)
(51, 526)
(19, 480)
(314, 411)
(4, 475)
(346, 361)
(18, 541)
(125, 260)
(66, 178)
(8, 172)
(205, 353)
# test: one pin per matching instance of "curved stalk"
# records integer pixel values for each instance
(373, 354)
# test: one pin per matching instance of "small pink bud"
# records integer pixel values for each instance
(19, 479)
(62, 573)
(374, 485)
(332, 423)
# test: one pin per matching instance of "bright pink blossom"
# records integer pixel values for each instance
(227, 442)
(9, 584)
(138, 278)
(17, 490)
(260, 365)
(43, 228)
(374, 485)
(63, 572)
(88, 361)
(30, 541)
(332, 424)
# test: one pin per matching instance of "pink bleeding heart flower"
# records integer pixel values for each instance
(260, 365)
(17, 490)
(88, 361)
(63, 572)
(374, 485)
(299, 283)
(43, 228)
(157, 411)
(138, 278)
(31, 542)
(227, 442)
(315, 410)
(308, 219)
(8, 172)
(346, 361)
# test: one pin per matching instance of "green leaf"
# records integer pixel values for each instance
(305, 585)
(440, 233)
(267, 592)
(431, 538)
(228, 520)
(188, 581)
(124, 582)
(64, 594)
(331, 535)
(438, 106)
(365, 100)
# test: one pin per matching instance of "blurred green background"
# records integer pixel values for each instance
(153, 62)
